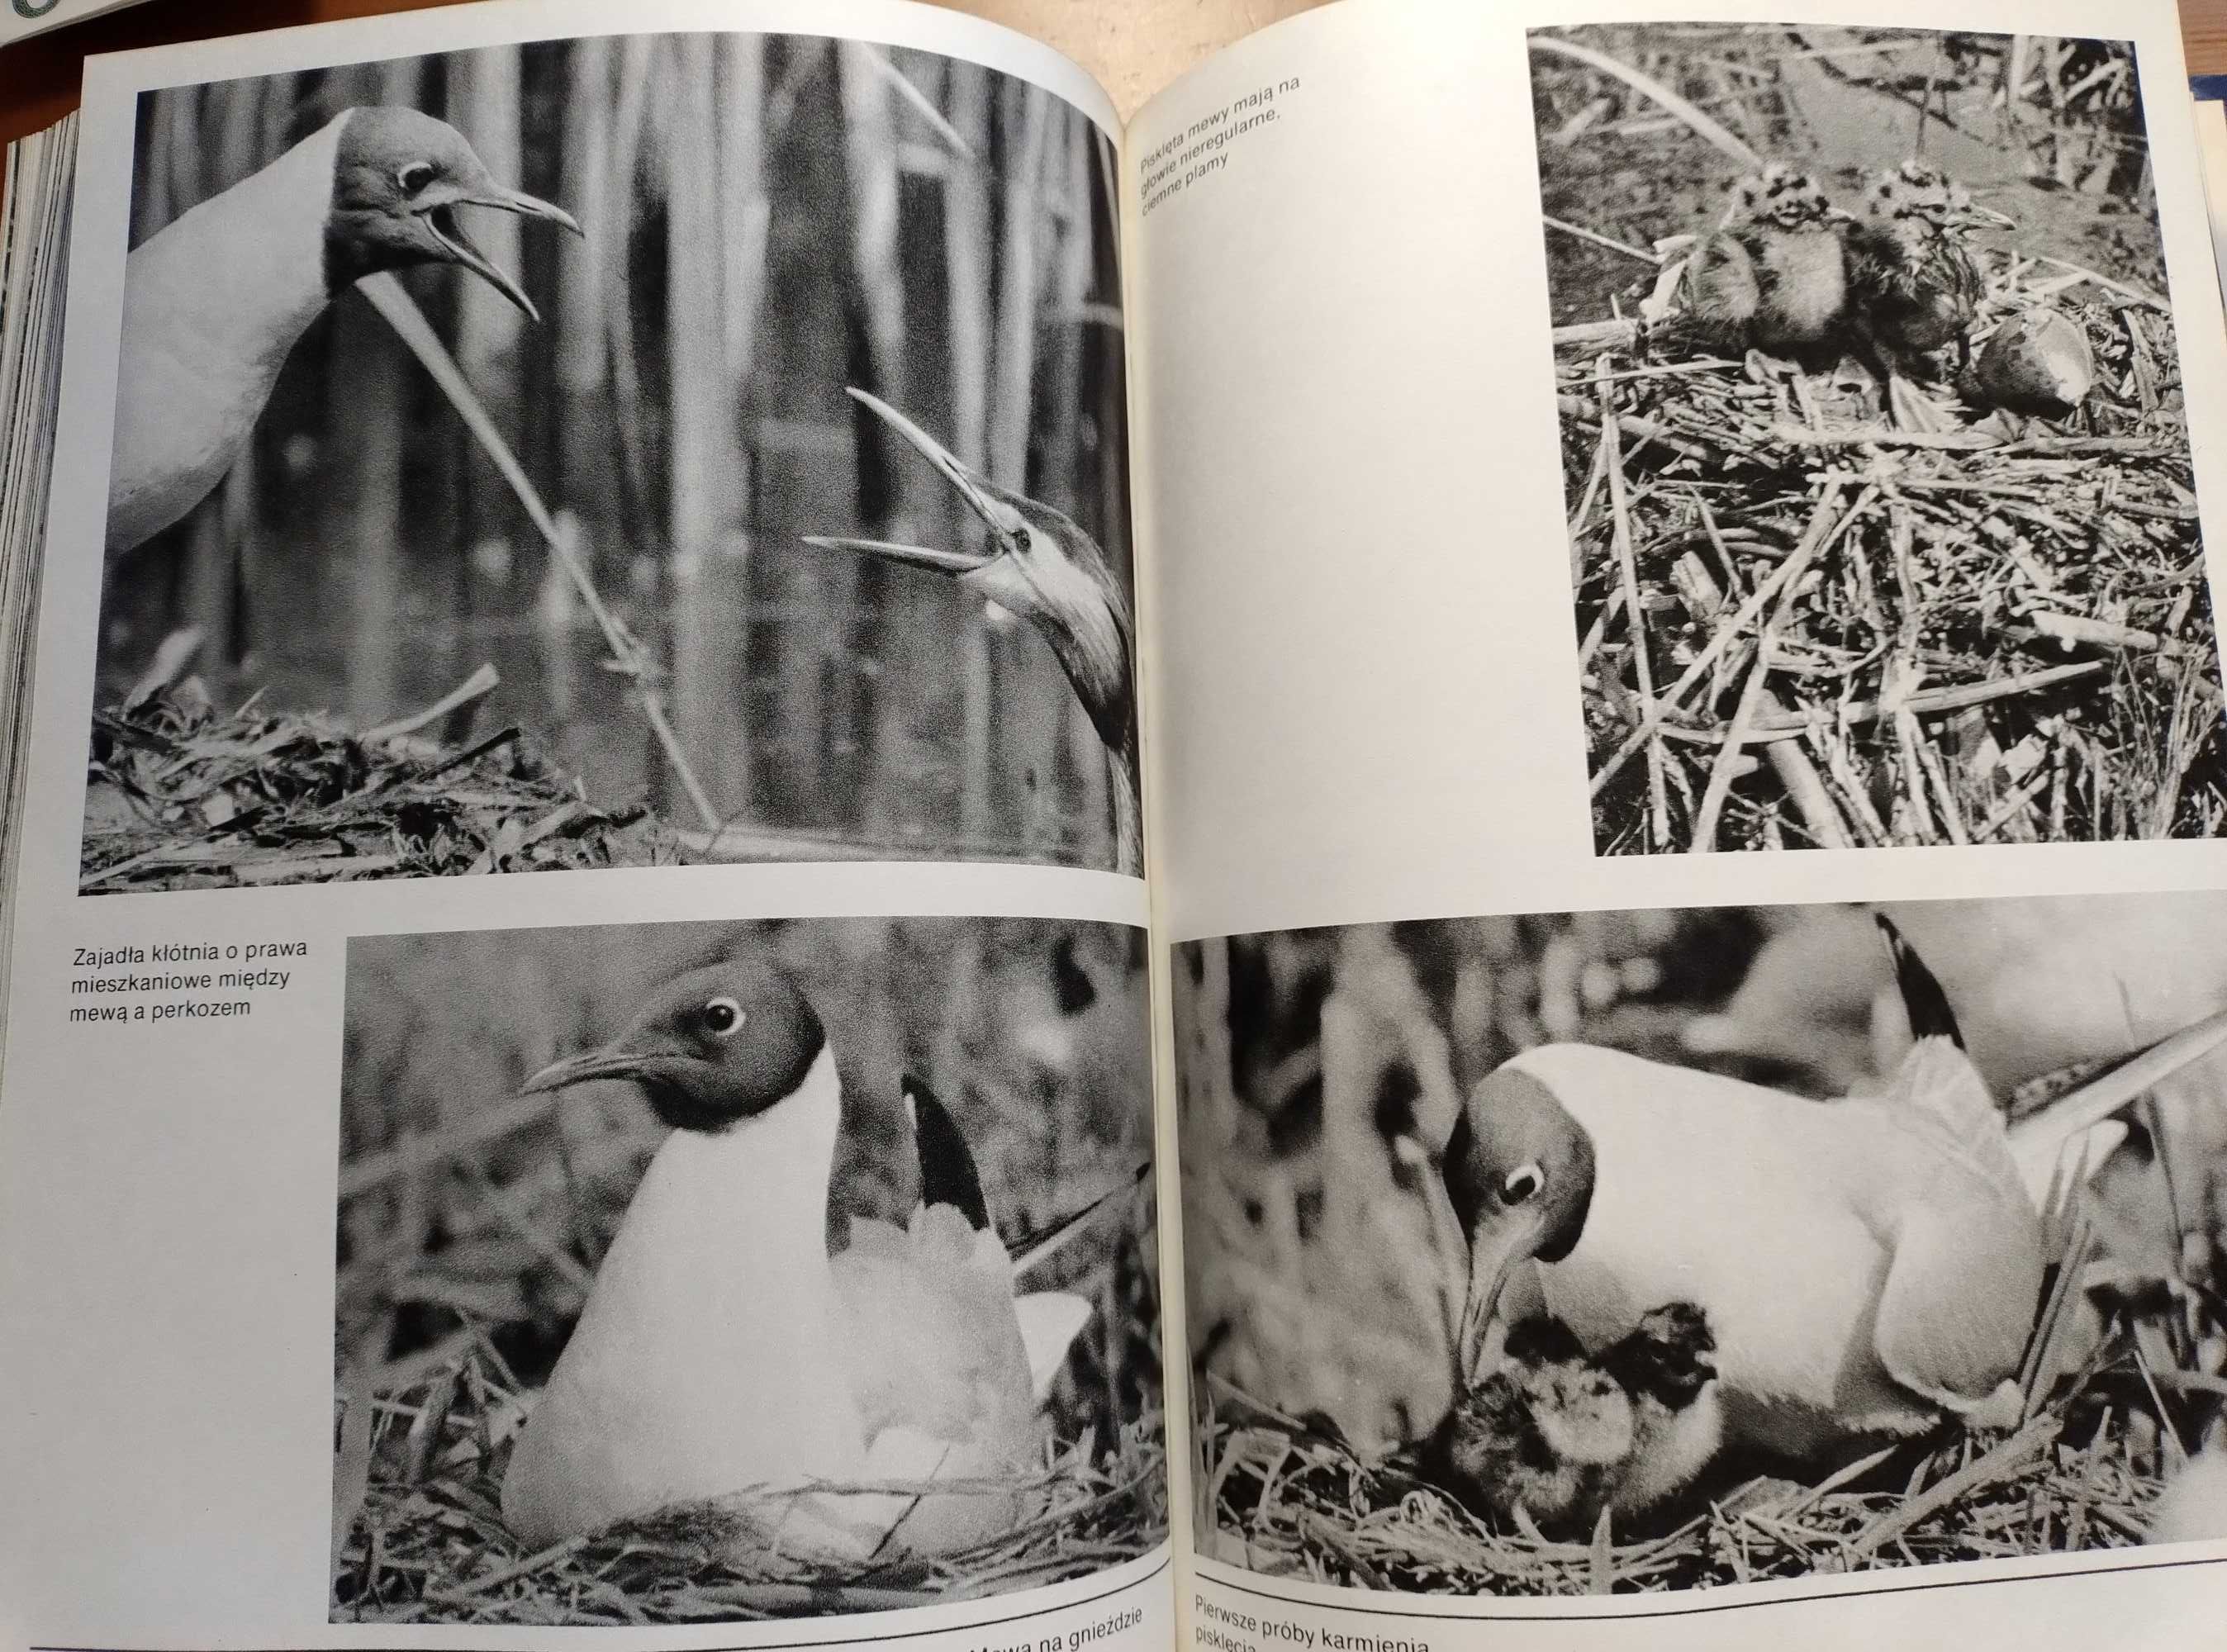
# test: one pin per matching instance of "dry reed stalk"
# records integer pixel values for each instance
(1634, 616)
(1648, 87)
(628, 656)
(1731, 754)
(1823, 528)
(969, 251)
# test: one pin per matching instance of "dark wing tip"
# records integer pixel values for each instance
(1922, 1000)
(947, 1175)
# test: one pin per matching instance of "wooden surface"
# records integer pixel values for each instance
(2204, 33)
(1132, 46)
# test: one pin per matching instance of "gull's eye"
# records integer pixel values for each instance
(724, 1017)
(413, 176)
(1021, 539)
(1522, 1184)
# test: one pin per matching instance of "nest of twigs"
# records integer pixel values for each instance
(1286, 1500)
(419, 1536)
(183, 797)
(1803, 628)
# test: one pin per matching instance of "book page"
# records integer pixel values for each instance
(682, 457)
(1686, 710)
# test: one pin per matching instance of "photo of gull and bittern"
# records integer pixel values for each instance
(695, 1273)
(640, 450)
(1622, 1252)
(1883, 529)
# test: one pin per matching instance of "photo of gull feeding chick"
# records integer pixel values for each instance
(1883, 524)
(1631, 1251)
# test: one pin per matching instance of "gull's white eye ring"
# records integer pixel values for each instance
(724, 1017)
(413, 176)
(1523, 1182)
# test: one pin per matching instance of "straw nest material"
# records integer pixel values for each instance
(1849, 635)
(419, 1537)
(1288, 1501)
(183, 797)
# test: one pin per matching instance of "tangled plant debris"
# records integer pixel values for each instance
(421, 1538)
(183, 797)
(1807, 618)
(1962, 637)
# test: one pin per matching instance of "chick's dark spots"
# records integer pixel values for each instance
(1773, 275)
(1914, 280)
(1562, 1436)
(1670, 1358)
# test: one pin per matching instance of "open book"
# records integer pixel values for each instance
(1430, 856)
(24, 18)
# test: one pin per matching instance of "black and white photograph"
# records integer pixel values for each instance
(707, 1272)
(639, 450)
(1638, 1251)
(1883, 529)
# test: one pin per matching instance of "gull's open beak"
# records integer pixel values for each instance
(1492, 1258)
(1989, 218)
(440, 221)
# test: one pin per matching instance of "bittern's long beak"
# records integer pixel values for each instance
(441, 224)
(1492, 1258)
(1989, 218)
(995, 515)
(921, 556)
(613, 1062)
(954, 470)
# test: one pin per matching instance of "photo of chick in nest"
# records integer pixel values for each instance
(1883, 529)
(1623, 1252)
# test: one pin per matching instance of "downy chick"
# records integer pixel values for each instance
(1914, 285)
(1563, 1435)
(1773, 277)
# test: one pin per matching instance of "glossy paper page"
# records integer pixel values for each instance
(1569, 446)
(682, 457)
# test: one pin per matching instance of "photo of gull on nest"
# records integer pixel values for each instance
(1621, 1252)
(1883, 525)
(694, 1272)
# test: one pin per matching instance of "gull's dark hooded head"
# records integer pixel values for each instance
(399, 177)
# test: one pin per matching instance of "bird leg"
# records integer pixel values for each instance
(1911, 409)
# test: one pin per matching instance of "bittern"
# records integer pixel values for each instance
(1035, 563)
